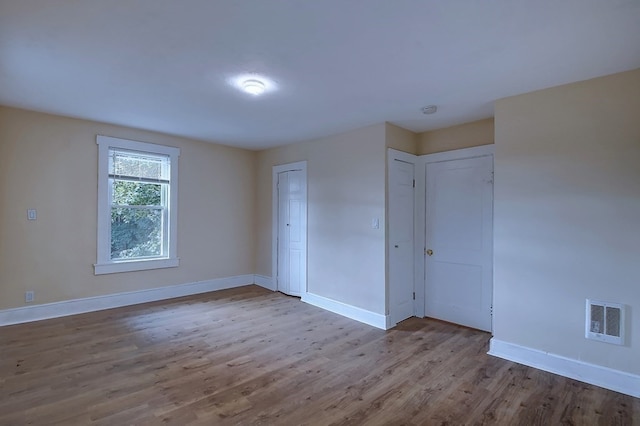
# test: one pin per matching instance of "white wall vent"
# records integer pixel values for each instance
(605, 321)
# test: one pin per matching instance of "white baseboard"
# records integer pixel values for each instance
(264, 281)
(604, 377)
(98, 303)
(358, 314)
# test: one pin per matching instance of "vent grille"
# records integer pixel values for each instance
(605, 321)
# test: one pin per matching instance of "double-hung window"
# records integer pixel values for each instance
(137, 205)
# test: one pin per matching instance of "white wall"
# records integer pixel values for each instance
(567, 216)
(346, 189)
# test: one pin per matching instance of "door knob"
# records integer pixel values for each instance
(429, 252)
(396, 246)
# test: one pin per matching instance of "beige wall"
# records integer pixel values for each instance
(567, 216)
(50, 163)
(465, 135)
(401, 139)
(346, 189)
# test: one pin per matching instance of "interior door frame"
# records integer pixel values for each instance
(421, 200)
(289, 167)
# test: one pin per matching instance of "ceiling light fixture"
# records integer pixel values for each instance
(252, 83)
(253, 87)
(429, 109)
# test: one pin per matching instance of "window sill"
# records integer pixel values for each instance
(134, 265)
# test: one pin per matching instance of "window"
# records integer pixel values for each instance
(137, 203)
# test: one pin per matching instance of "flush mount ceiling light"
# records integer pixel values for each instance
(253, 84)
(429, 109)
(253, 87)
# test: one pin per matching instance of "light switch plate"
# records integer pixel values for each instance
(32, 214)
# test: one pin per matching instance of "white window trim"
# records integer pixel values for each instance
(104, 264)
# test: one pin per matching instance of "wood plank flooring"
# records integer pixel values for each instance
(250, 356)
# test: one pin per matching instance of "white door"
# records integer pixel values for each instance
(290, 276)
(459, 241)
(401, 240)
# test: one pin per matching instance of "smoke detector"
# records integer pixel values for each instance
(429, 109)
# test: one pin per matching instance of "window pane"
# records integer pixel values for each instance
(126, 163)
(136, 233)
(127, 193)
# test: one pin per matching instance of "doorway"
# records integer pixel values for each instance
(289, 267)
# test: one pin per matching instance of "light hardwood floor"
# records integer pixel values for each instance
(250, 356)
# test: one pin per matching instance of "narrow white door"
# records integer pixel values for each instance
(401, 241)
(459, 244)
(291, 228)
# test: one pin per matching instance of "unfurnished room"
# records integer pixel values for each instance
(337, 212)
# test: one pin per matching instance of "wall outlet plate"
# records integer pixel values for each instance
(29, 296)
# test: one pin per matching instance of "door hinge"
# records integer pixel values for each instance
(414, 183)
(414, 295)
(491, 311)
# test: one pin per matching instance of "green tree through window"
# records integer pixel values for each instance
(138, 209)
(136, 232)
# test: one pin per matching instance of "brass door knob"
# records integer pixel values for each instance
(429, 252)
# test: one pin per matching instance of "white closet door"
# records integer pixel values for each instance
(459, 241)
(401, 240)
(291, 232)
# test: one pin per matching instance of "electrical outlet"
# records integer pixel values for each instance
(28, 296)
(32, 214)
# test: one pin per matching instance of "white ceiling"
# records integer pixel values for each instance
(164, 65)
